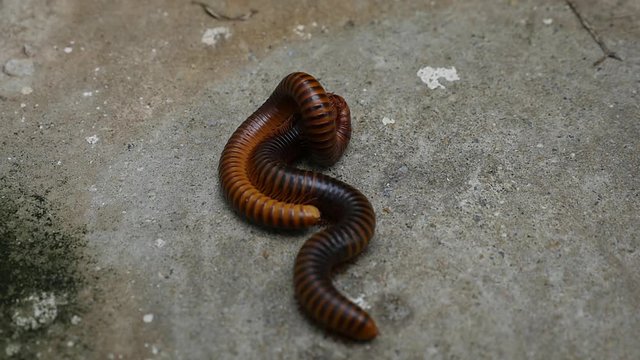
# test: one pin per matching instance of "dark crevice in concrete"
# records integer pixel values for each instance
(594, 35)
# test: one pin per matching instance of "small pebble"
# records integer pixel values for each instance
(160, 243)
(19, 67)
(92, 139)
(29, 50)
(147, 318)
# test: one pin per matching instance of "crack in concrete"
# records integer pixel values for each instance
(594, 35)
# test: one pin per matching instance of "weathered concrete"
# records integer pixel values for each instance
(507, 201)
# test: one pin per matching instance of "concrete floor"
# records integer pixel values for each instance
(508, 200)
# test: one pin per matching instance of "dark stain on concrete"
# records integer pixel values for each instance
(39, 274)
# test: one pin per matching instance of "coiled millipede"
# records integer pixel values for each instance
(259, 181)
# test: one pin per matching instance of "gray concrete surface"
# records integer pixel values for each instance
(507, 201)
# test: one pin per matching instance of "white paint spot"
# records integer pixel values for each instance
(547, 21)
(68, 50)
(35, 311)
(361, 302)
(75, 319)
(212, 36)
(92, 139)
(147, 318)
(12, 349)
(26, 90)
(540, 146)
(87, 93)
(387, 121)
(160, 243)
(430, 76)
(299, 30)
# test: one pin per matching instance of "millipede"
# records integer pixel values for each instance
(260, 182)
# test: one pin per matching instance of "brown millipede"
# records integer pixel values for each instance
(257, 178)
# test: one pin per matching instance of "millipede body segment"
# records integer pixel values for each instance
(259, 181)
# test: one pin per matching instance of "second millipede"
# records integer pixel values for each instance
(259, 181)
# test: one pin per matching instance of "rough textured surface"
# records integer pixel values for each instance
(508, 201)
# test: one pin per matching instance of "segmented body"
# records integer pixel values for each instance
(258, 180)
